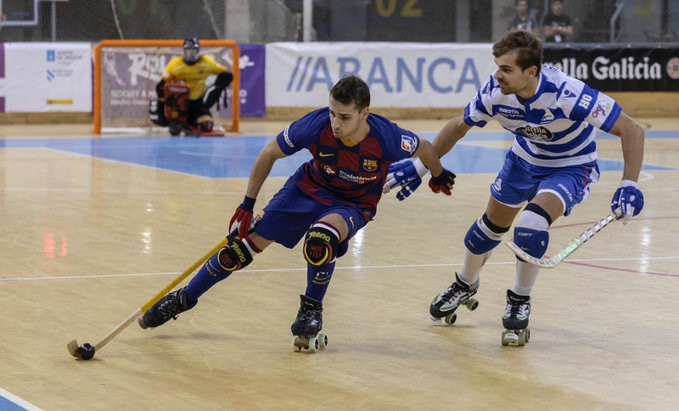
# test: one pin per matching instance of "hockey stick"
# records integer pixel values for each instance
(86, 351)
(551, 262)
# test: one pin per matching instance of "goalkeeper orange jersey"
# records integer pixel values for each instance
(194, 75)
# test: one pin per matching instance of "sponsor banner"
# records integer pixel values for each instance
(408, 75)
(252, 90)
(42, 77)
(615, 68)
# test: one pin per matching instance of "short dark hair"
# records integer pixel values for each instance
(528, 48)
(352, 89)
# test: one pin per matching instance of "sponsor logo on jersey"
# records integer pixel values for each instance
(322, 154)
(353, 178)
(329, 170)
(369, 165)
(547, 118)
(603, 106)
(497, 185)
(535, 133)
(568, 193)
(408, 143)
(510, 112)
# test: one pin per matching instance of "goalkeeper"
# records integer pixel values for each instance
(191, 70)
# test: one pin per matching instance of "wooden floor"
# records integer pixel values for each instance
(87, 241)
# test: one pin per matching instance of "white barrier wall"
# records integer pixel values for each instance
(408, 75)
(43, 77)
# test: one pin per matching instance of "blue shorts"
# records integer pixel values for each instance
(290, 213)
(519, 182)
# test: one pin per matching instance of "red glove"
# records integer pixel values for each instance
(242, 218)
(442, 183)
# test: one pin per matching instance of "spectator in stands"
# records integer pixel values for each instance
(522, 20)
(557, 24)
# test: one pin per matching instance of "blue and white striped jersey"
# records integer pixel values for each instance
(555, 128)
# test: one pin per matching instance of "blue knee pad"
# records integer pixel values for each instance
(483, 236)
(534, 242)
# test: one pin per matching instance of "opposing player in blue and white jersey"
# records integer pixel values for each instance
(550, 166)
(326, 201)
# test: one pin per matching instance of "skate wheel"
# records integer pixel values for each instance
(472, 304)
(522, 338)
(313, 344)
(435, 320)
(527, 334)
(322, 341)
(450, 319)
(299, 343)
(509, 338)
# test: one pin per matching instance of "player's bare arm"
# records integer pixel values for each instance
(260, 171)
(429, 157)
(632, 139)
(242, 218)
(450, 134)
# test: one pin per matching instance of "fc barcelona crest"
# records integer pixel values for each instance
(369, 165)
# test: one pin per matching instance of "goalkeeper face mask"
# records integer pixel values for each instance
(191, 50)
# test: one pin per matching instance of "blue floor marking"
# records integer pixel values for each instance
(7, 405)
(233, 157)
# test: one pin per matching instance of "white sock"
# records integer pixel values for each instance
(471, 267)
(526, 276)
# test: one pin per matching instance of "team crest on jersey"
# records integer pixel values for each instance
(535, 133)
(369, 165)
(408, 143)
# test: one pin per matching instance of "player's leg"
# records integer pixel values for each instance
(235, 255)
(508, 193)
(325, 241)
(558, 192)
(284, 221)
(482, 237)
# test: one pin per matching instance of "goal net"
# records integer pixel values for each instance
(126, 73)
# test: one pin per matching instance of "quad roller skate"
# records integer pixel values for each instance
(307, 326)
(444, 305)
(515, 320)
(167, 308)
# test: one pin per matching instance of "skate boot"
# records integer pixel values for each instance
(307, 326)
(168, 307)
(515, 320)
(459, 293)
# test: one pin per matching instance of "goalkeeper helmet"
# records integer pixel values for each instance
(191, 50)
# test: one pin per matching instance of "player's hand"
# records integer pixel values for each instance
(443, 183)
(628, 200)
(407, 175)
(242, 218)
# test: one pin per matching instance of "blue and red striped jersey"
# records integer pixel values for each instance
(342, 175)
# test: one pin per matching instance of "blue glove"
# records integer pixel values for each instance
(628, 200)
(407, 175)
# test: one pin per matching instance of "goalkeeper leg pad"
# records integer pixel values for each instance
(205, 123)
(483, 236)
(320, 244)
